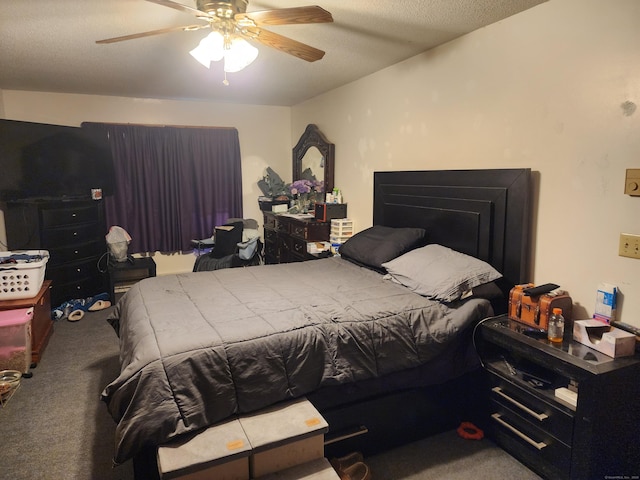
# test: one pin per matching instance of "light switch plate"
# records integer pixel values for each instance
(632, 182)
(629, 245)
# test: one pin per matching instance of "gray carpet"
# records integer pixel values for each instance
(56, 427)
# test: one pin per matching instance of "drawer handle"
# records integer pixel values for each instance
(526, 438)
(538, 416)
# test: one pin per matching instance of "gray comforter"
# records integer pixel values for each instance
(196, 348)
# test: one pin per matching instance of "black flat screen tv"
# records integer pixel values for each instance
(44, 161)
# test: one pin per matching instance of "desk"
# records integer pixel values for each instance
(122, 275)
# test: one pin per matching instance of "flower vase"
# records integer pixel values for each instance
(302, 203)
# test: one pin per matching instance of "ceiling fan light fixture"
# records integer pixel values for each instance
(210, 49)
(239, 55)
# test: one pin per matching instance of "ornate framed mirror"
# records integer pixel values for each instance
(315, 152)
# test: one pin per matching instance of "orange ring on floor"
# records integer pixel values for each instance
(469, 431)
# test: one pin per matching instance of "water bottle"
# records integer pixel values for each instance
(555, 331)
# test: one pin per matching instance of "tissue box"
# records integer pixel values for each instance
(604, 338)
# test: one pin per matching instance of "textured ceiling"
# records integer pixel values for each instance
(49, 45)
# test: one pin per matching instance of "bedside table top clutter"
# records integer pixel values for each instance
(569, 351)
(563, 409)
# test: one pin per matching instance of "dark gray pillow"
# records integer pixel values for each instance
(378, 244)
(439, 272)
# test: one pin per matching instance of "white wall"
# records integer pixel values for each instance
(265, 138)
(553, 88)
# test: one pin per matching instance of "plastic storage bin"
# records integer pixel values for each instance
(15, 339)
(341, 227)
(24, 277)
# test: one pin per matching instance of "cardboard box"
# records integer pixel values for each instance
(318, 247)
(604, 338)
(606, 299)
(319, 469)
(268, 205)
(283, 436)
(221, 452)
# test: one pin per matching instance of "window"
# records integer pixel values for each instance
(172, 184)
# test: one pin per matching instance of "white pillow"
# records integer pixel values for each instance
(439, 272)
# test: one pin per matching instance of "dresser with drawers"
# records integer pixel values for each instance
(73, 231)
(286, 237)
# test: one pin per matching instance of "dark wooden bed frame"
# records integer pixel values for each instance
(483, 213)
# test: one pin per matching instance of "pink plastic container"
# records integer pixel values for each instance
(15, 339)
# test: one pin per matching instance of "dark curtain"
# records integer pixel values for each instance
(172, 184)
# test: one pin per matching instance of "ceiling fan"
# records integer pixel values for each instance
(231, 20)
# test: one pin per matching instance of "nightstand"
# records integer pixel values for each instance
(596, 438)
(123, 275)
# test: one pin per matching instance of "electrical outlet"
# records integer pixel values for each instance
(629, 245)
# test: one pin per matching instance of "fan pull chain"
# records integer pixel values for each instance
(225, 81)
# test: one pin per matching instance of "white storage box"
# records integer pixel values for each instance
(283, 436)
(15, 339)
(24, 277)
(318, 247)
(339, 240)
(604, 338)
(319, 469)
(341, 227)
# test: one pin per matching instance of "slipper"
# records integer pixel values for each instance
(75, 315)
(83, 304)
(100, 305)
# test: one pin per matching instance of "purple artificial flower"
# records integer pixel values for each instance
(300, 187)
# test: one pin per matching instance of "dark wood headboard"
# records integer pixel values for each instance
(483, 213)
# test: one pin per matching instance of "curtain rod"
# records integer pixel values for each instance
(161, 125)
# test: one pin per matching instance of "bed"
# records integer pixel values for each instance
(382, 363)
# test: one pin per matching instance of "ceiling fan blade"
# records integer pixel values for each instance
(187, 28)
(179, 6)
(284, 44)
(287, 16)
